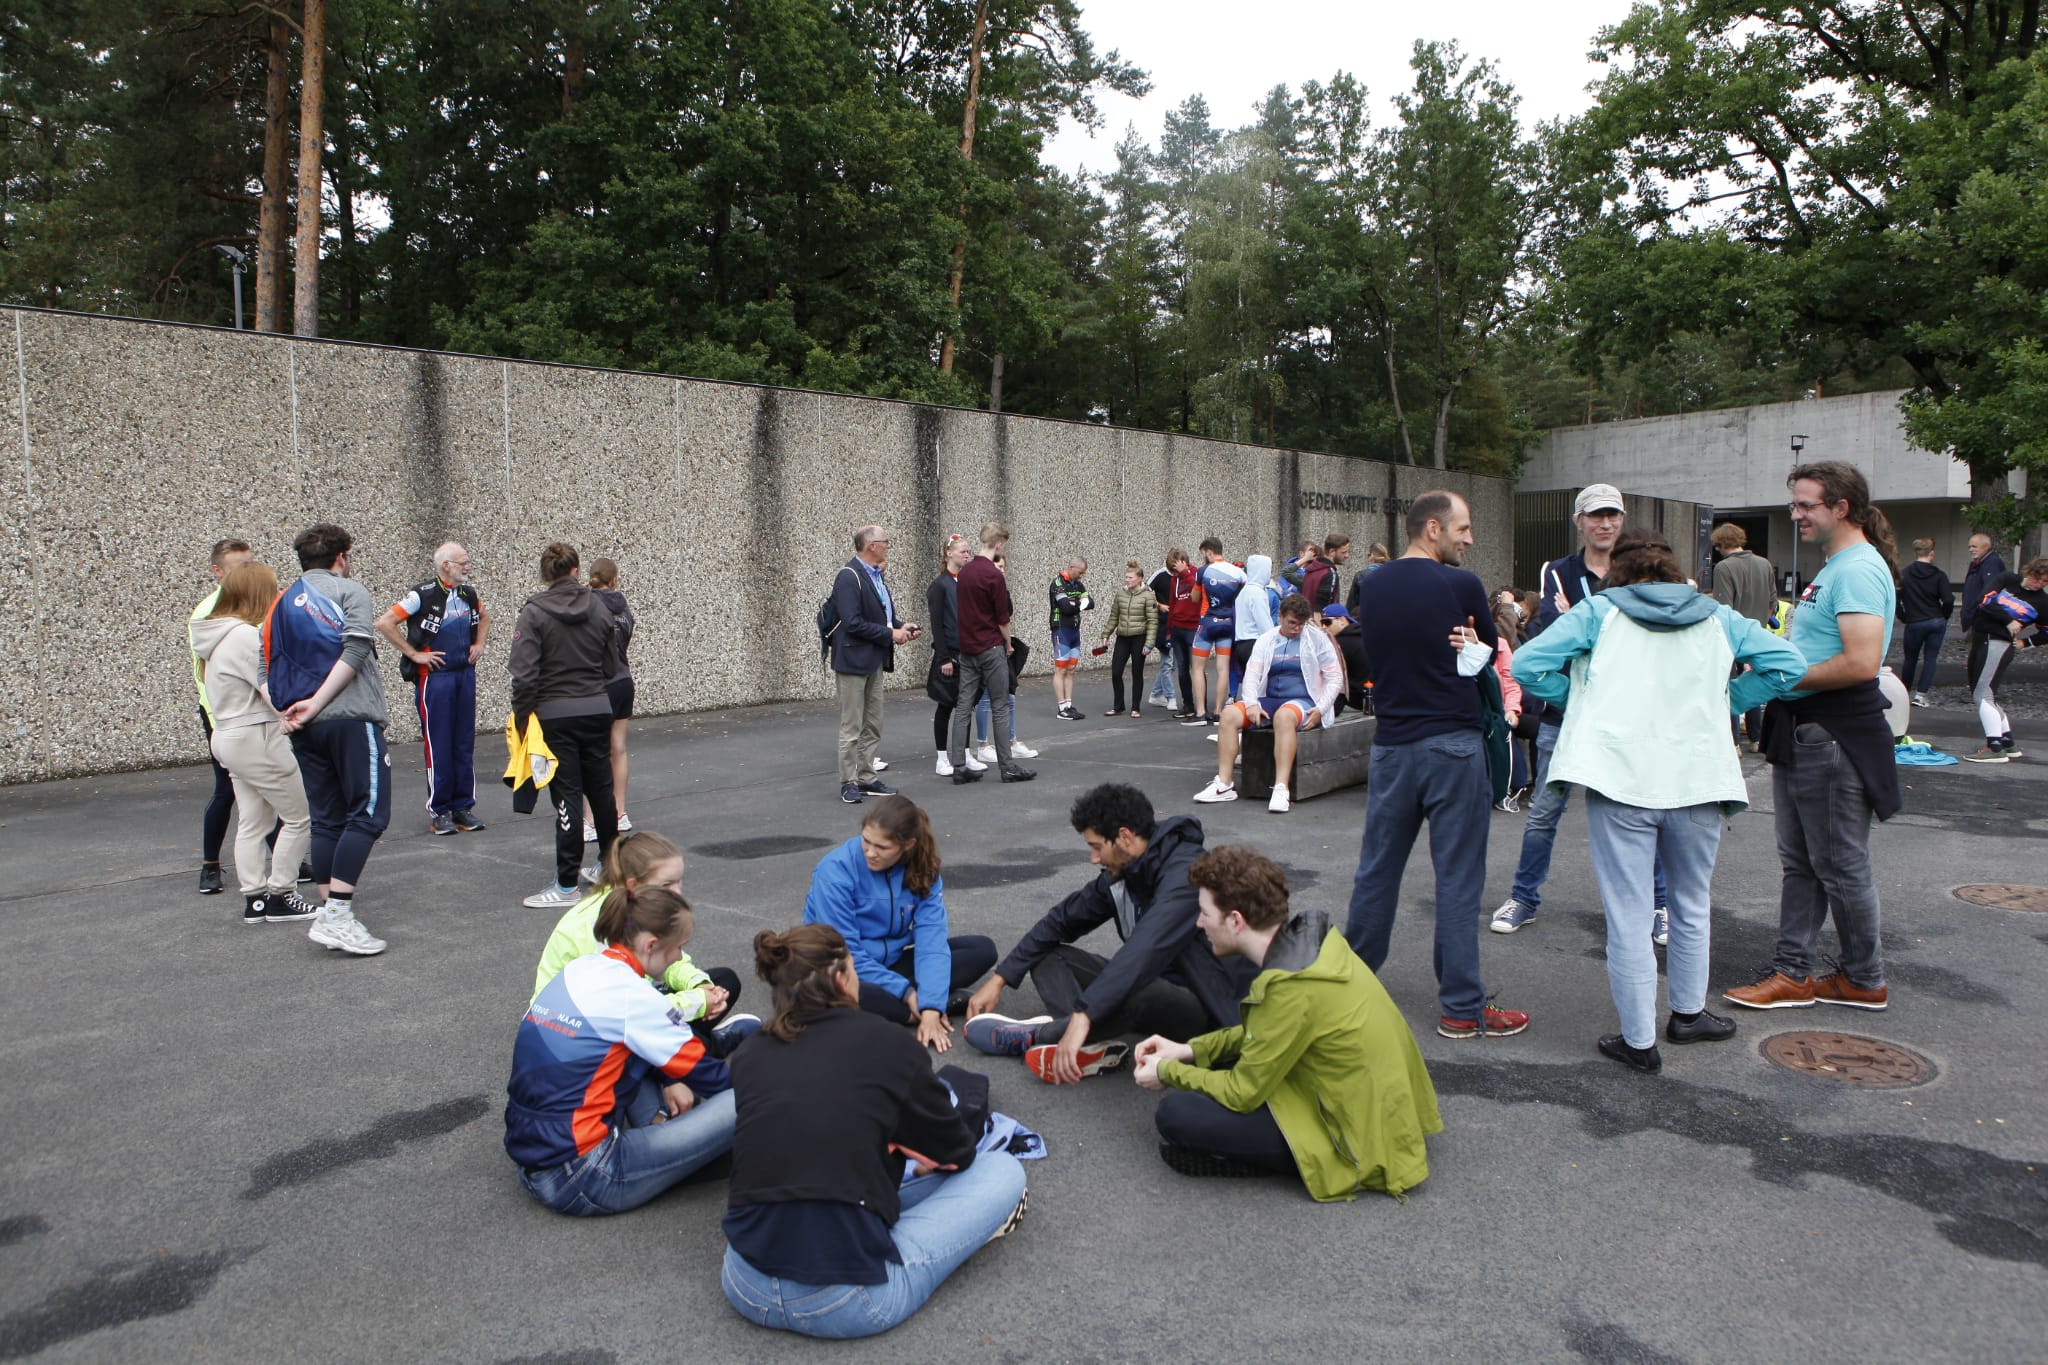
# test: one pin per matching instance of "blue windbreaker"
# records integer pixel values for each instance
(879, 917)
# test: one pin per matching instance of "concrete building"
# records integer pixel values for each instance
(1736, 460)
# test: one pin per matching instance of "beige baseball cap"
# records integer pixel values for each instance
(1598, 497)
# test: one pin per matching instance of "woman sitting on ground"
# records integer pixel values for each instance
(882, 892)
(825, 1237)
(704, 998)
(613, 1099)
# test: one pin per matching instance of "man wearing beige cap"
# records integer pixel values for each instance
(1598, 512)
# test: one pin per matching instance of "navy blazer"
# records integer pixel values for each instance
(864, 642)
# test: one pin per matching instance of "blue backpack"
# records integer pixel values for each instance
(301, 642)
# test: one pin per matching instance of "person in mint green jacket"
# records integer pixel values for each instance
(1321, 1079)
(1644, 664)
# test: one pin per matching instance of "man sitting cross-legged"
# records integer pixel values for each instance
(1163, 963)
(1291, 684)
(1322, 1079)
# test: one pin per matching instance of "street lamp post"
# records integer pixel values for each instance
(1798, 444)
(238, 263)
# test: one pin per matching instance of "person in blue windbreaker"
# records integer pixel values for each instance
(882, 891)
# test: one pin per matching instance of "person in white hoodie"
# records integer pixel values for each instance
(250, 743)
(1645, 664)
(1256, 607)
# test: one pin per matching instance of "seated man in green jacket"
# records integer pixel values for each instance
(1322, 1078)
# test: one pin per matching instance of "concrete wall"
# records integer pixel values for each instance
(135, 445)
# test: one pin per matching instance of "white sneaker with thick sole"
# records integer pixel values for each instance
(973, 764)
(344, 934)
(552, 897)
(1280, 804)
(625, 826)
(879, 764)
(944, 767)
(1217, 790)
(589, 832)
(987, 752)
(1020, 749)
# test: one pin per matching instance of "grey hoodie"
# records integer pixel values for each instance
(563, 653)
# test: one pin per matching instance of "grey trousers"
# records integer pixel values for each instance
(860, 725)
(987, 672)
(1823, 817)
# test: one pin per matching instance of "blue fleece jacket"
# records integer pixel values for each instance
(879, 917)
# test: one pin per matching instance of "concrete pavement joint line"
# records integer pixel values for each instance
(123, 1292)
(380, 1139)
(1985, 1204)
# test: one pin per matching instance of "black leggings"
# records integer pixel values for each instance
(1129, 648)
(220, 807)
(1199, 1124)
(942, 728)
(974, 956)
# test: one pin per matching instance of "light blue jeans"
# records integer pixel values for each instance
(1626, 843)
(635, 1164)
(946, 1219)
(1539, 833)
(981, 710)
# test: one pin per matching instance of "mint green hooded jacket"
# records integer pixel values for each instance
(1324, 1048)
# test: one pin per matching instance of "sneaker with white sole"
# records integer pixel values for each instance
(1280, 804)
(987, 752)
(285, 907)
(552, 897)
(592, 875)
(345, 934)
(880, 765)
(1660, 926)
(973, 764)
(1919, 699)
(589, 832)
(1016, 1217)
(1217, 790)
(999, 1035)
(625, 825)
(1511, 916)
(1020, 749)
(944, 767)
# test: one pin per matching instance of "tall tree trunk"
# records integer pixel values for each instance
(572, 75)
(275, 204)
(312, 103)
(967, 154)
(1442, 435)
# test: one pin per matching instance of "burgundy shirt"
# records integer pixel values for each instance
(984, 606)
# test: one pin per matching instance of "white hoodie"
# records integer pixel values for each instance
(231, 651)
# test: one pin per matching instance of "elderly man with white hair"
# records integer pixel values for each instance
(444, 628)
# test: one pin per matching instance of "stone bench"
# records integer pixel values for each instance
(1328, 758)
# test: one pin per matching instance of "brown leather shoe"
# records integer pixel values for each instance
(1837, 989)
(1774, 991)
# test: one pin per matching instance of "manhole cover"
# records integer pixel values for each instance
(1849, 1058)
(2002, 897)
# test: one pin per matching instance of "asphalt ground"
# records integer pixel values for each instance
(226, 1144)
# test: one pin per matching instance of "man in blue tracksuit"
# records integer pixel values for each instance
(444, 628)
(1599, 513)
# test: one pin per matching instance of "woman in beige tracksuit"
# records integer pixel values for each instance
(250, 743)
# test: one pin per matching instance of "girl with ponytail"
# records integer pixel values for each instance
(612, 1098)
(639, 860)
(824, 1237)
(881, 890)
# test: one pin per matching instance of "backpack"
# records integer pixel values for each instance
(828, 620)
(302, 640)
(2010, 607)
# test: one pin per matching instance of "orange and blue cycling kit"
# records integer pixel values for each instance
(1220, 582)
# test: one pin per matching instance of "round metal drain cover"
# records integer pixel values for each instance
(2003, 897)
(1849, 1058)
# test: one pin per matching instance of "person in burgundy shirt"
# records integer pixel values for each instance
(1183, 614)
(984, 666)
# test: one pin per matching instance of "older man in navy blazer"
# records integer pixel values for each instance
(863, 649)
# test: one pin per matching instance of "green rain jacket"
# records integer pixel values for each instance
(1324, 1047)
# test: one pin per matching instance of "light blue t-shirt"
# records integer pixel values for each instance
(1853, 580)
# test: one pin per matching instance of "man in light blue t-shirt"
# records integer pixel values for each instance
(1830, 749)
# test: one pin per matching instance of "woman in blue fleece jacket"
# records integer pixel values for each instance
(882, 891)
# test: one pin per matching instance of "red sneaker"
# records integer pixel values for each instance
(1093, 1057)
(1494, 1023)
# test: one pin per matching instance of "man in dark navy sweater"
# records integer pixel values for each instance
(1428, 632)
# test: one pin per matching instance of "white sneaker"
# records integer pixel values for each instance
(1217, 790)
(987, 752)
(973, 764)
(625, 826)
(552, 897)
(1020, 749)
(592, 875)
(944, 767)
(1279, 805)
(344, 933)
(1919, 699)
(879, 764)
(589, 832)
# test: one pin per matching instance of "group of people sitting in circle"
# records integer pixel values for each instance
(858, 1179)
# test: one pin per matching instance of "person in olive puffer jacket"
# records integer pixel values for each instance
(1132, 613)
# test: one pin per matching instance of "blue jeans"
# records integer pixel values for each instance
(1539, 835)
(1824, 848)
(1923, 635)
(946, 1219)
(1626, 842)
(1162, 686)
(635, 1164)
(1441, 780)
(981, 712)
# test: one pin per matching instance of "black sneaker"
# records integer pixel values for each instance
(1192, 718)
(876, 788)
(254, 908)
(849, 792)
(1212, 719)
(1701, 1028)
(444, 823)
(962, 776)
(1644, 1059)
(1013, 773)
(305, 869)
(1188, 1161)
(287, 908)
(209, 879)
(1069, 713)
(466, 821)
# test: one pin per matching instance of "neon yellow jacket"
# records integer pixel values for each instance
(575, 936)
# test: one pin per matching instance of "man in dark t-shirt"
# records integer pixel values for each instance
(1428, 633)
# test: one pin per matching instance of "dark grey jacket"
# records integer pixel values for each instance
(564, 650)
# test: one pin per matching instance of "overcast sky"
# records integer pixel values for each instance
(1231, 52)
